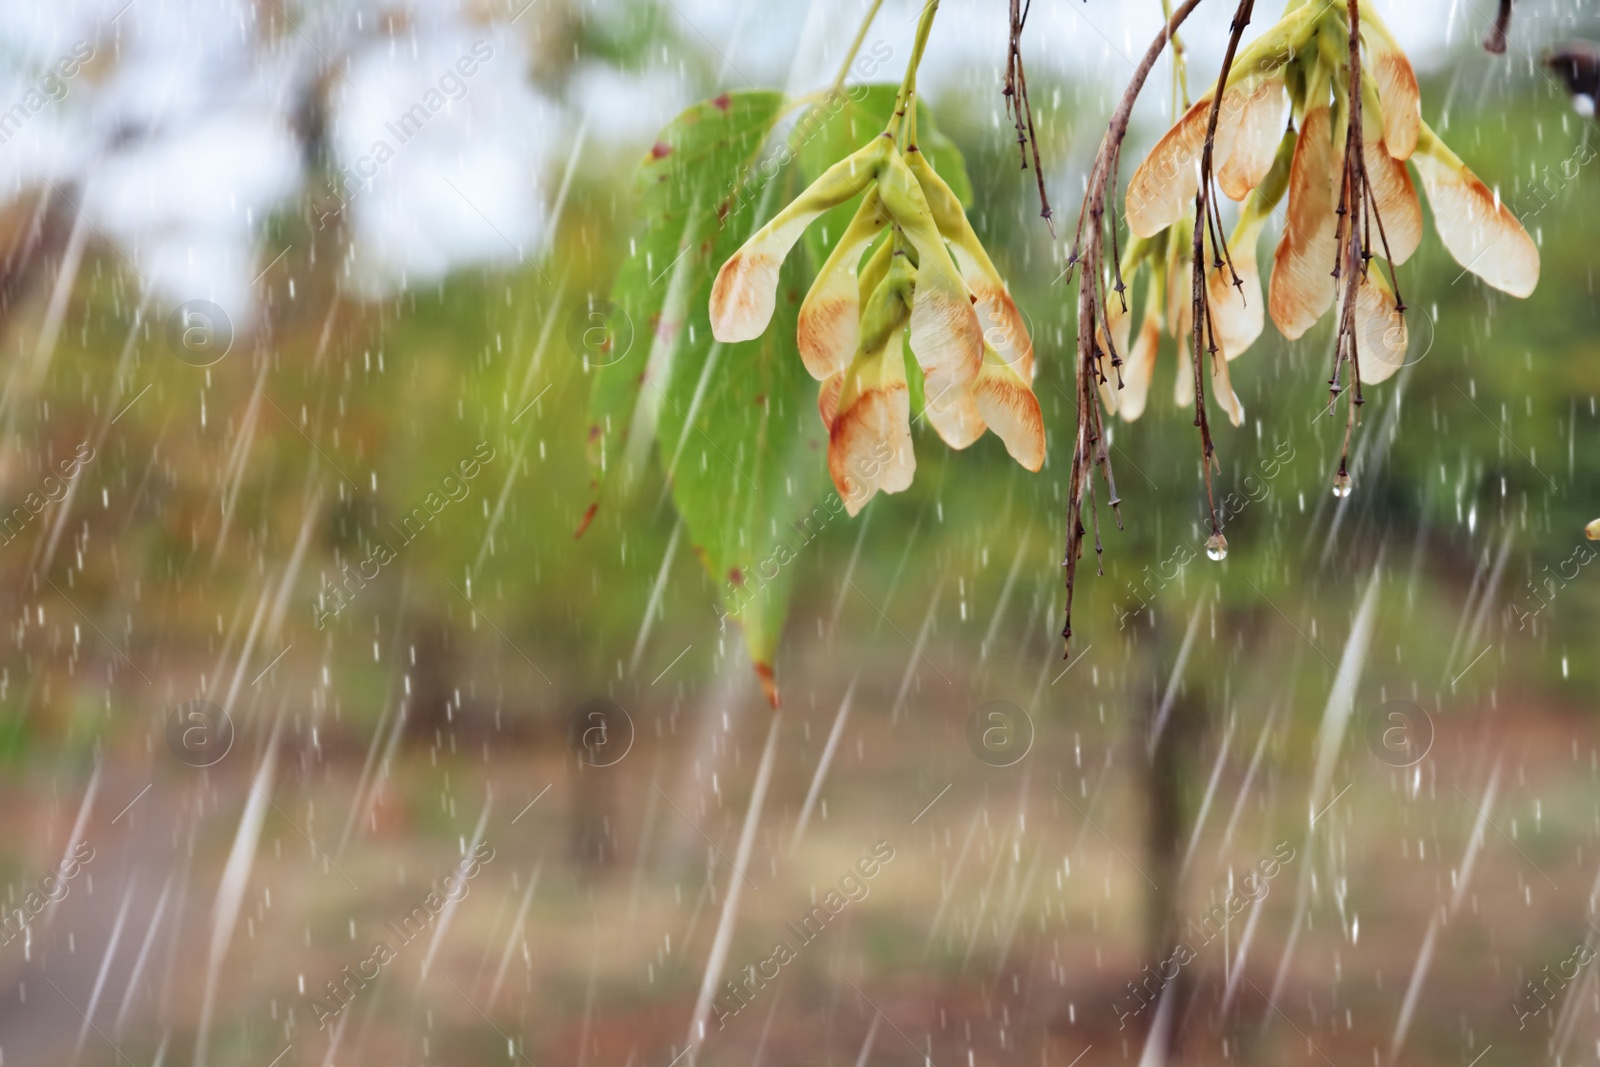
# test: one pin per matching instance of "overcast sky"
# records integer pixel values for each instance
(182, 137)
(1092, 41)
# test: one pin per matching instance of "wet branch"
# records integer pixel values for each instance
(1019, 107)
(1206, 210)
(1090, 449)
(1357, 214)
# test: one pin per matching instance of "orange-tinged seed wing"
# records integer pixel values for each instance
(958, 422)
(1139, 356)
(1011, 410)
(1255, 145)
(745, 292)
(1238, 313)
(946, 337)
(869, 444)
(1003, 328)
(1163, 188)
(1381, 334)
(1480, 232)
(1219, 391)
(1302, 270)
(1398, 96)
(1393, 195)
(829, 324)
(828, 398)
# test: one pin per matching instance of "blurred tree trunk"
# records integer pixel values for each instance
(598, 735)
(592, 841)
(432, 682)
(1166, 748)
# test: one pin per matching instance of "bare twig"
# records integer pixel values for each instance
(1356, 207)
(1360, 236)
(1018, 106)
(1205, 209)
(1088, 257)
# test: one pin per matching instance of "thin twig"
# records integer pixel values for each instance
(1090, 448)
(1018, 105)
(1355, 204)
(1204, 335)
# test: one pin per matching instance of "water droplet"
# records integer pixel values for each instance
(1341, 485)
(1217, 547)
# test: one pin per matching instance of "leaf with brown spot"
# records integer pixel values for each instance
(728, 422)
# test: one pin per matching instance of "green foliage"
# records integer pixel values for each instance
(735, 442)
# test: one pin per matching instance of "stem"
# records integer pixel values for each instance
(1180, 67)
(855, 46)
(910, 128)
(905, 99)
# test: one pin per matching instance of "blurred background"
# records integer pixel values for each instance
(261, 314)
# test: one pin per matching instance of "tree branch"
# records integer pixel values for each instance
(1090, 449)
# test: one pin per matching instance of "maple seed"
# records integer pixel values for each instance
(928, 282)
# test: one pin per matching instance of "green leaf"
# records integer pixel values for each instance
(696, 168)
(735, 426)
